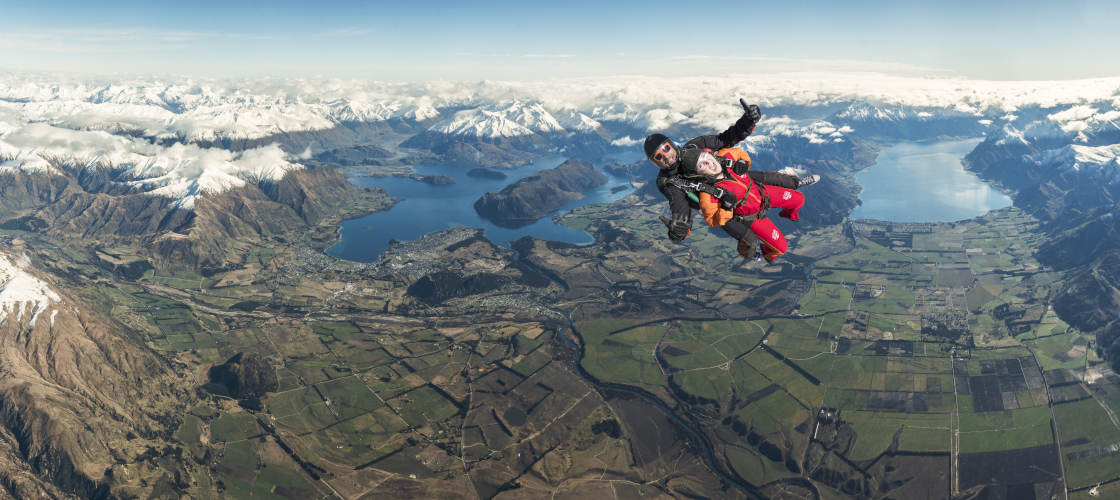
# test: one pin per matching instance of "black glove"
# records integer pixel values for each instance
(728, 200)
(679, 230)
(741, 167)
(751, 116)
(751, 110)
(748, 247)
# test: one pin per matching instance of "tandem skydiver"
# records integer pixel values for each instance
(682, 195)
(725, 196)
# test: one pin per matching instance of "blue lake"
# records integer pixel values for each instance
(427, 208)
(925, 182)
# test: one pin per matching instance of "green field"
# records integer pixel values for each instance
(190, 434)
(917, 432)
(775, 415)
(1084, 426)
(825, 297)
(1005, 430)
(233, 427)
(349, 396)
(422, 405)
(855, 372)
(897, 298)
(238, 468)
(713, 383)
(1062, 351)
(810, 395)
(619, 352)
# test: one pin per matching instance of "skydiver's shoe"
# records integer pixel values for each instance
(808, 180)
(790, 214)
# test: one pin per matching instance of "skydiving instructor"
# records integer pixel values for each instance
(667, 156)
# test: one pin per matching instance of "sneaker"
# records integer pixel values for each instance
(808, 180)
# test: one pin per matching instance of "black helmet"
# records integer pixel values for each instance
(691, 158)
(654, 151)
(652, 142)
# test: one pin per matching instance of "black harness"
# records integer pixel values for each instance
(691, 187)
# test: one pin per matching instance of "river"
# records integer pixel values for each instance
(925, 182)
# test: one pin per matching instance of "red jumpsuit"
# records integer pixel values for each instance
(790, 201)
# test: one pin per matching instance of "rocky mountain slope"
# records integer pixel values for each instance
(173, 236)
(81, 399)
(1064, 167)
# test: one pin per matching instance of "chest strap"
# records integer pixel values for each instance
(692, 187)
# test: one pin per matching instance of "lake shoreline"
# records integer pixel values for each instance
(427, 208)
(925, 181)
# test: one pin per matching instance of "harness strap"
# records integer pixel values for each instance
(702, 187)
(763, 200)
(691, 187)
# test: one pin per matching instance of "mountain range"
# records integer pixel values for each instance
(165, 237)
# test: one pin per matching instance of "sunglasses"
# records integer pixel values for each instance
(659, 155)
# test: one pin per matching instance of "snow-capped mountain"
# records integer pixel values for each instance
(207, 109)
(182, 172)
(502, 120)
(515, 118)
(1100, 163)
(510, 133)
(895, 121)
(68, 366)
(134, 125)
(574, 121)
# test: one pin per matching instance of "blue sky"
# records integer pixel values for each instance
(533, 40)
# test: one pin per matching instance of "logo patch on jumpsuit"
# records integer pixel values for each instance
(787, 195)
(775, 235)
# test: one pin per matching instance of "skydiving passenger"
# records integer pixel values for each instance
(726, 196)
(682, 199)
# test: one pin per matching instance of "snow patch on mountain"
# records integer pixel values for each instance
(574, 121)
(816, 132)
(1100, 162)
(1007, 135)
(21, 292)
(206, 110)
(627, 141)
(182, 172)
(44, 118)
(501, 120)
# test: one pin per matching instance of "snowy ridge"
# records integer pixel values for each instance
(862, 111)
(249, 109)
(182, 172)
(574, 121)
(1101, 162)
(127, 124)
(501, 120)
(817, 132)
(21, 292)
(1008, 135)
